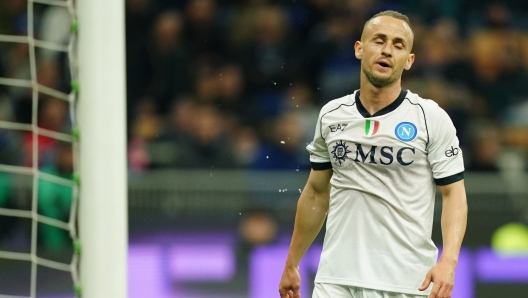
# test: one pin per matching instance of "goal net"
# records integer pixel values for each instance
(39, 149)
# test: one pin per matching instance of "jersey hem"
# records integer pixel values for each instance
(366, 285)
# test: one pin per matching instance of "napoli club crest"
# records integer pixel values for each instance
(405, 131)
(340, 152)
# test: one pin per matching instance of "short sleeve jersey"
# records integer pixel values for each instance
(385, 168)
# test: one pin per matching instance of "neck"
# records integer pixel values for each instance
(374, 98)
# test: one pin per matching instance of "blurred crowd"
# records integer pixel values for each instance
(239, 83)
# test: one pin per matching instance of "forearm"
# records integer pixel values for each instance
(312, 208)
(454, 219)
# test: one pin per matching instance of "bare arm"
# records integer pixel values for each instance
(311, 213)
(312, 208)
(454, 219)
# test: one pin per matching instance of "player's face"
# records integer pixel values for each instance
(385, 50)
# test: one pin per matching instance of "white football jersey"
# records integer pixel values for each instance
(385, 167)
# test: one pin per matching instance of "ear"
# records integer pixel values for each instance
(358, 49)
(409, 62)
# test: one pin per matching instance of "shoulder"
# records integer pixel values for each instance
(335, 104)
(429, 107)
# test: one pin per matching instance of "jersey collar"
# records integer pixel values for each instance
(391, 107)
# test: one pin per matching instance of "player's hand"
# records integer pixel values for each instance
(290, 283)
(443, 277)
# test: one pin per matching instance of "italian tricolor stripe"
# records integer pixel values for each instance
(371, 127)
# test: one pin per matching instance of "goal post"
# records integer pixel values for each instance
(103, 221)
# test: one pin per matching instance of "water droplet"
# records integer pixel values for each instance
(300, 190)
(282, 142)
(296, 170)
(267, 157)
(280, 190)
(239, 213)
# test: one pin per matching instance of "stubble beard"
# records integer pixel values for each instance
(377, 81)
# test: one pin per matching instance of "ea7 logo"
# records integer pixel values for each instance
(334, 128)
(452, 152)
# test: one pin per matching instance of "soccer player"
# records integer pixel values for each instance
(376, 157)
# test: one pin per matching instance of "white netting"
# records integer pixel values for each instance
(44, 49)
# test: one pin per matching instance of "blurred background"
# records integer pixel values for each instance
(222, 98)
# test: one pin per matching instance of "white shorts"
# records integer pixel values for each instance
(323, 290)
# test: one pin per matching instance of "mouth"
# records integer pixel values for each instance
(383, 65)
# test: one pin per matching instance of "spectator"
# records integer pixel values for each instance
(269, 60)
(12, 14)
(241, 28)
(257, 227)
(487, 145)
(139, 19)
(196, 140)
(169, 61)
(53, 116)
(246, 146)
(6, 201)
(146, 127)
(10, 140)
(300, 100)
(206, 85)
(54, 200)
(55, 28)
(208, 145)
(491, 153)
(232, 99)
(330, 61)
(9, 154)
(283, 147)
(203, 32)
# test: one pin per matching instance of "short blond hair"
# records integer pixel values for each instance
(392, 14)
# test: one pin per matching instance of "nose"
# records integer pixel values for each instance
(387, 50)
